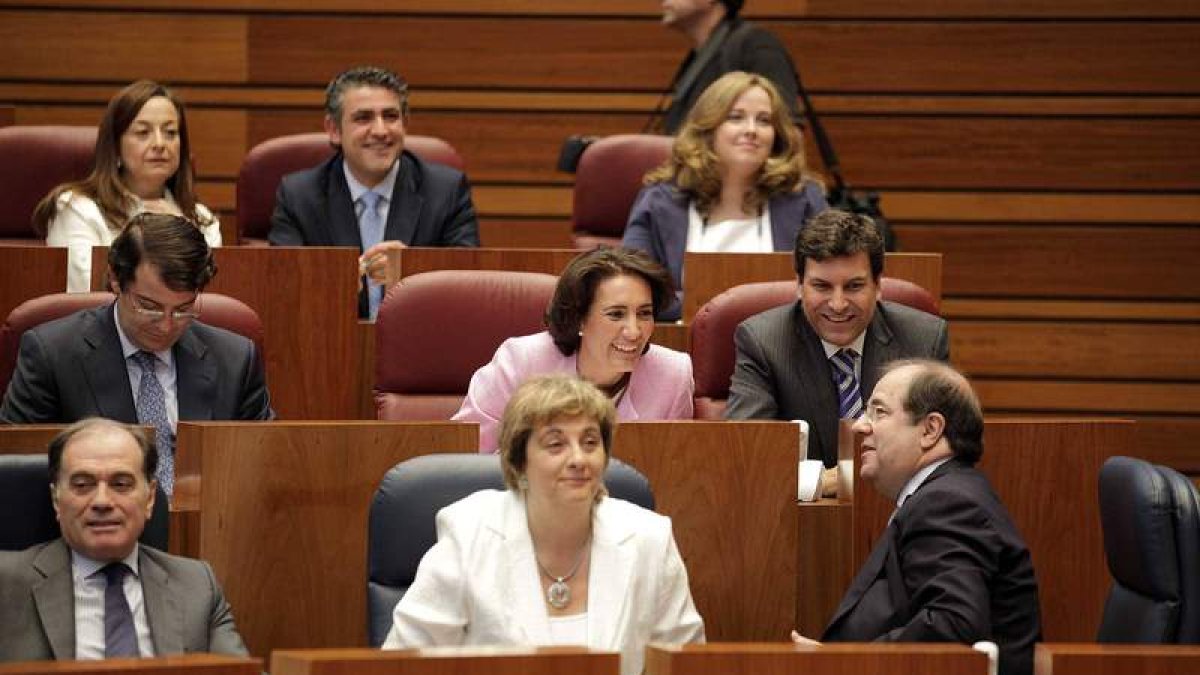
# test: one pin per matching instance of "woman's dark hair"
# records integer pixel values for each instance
(577, 289)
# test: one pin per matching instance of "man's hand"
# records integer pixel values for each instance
(801, 640)
(374, 262)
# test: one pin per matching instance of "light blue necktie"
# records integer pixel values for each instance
(152, 411)
(370, 227)
(120, 636)
(849, 395)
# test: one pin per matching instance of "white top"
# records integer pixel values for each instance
(79, 225)
(745, 235)
(89, 605)
(569, 630)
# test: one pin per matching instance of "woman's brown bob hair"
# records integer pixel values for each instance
(541, 400)
(577, 289)
(693, 166)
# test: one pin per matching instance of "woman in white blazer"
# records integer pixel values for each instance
(142, 163)
(552, 559)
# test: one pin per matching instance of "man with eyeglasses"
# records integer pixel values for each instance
(145, 358)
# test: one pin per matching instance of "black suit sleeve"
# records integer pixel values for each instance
(285, 226)
(948, 553)
(255, 403)
(461, 227)
(32, 395)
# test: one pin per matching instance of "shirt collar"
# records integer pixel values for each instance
(856, 345)
(384, 189)
(84, 567)
(128, 349)
(918, 478)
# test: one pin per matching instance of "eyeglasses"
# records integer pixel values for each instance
(155, 314)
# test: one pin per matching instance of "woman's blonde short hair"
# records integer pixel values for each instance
(693, 166)
(539, 401)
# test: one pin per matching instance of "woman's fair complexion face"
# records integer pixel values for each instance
(565, 461)
(744, 140)
(616, 329)
(150, 148)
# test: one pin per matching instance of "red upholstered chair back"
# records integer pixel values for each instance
(215, 310)
(711, 332)
(33, 160)
(268, 162)
(434, 330)
(607, 181)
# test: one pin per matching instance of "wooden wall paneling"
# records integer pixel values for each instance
(283, 518)
(1082, 658)
(123, 46)
(1078, 396)
(30, 271)
(506, 233)
(1044, 57)
(1170, 441)
(547, 261)
(1079, 261)
(447, 661)
(730, 490)
(781, 658)
(1085, 350)
(914, 210)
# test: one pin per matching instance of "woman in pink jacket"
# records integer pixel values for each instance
(599, 325)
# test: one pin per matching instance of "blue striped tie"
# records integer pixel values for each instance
(152, 411)
(849, 395)
(120, 636)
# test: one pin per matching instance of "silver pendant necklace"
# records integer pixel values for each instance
(559, 593)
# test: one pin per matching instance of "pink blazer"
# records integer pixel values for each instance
(660, 387)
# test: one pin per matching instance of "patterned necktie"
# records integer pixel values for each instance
(849, 396)
(120, 637)
(370, 227)
(152, 410)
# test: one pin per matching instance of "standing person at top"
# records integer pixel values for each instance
(736, 181)
(142, 163)
(721, 43)
(372, 194)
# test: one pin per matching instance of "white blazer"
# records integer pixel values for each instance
(79, 225)
(479, 584)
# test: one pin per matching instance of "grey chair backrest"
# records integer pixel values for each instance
(401, 524)
(28, 515)
(1136, 514)
(1187, 546)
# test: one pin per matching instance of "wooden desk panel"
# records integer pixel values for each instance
(27, 439)
(447, 661)
(710, 274)
(730, 490)
(283, 518)
(1045, 472)
(412, 261)
(28, 272)
(831, 659)
(1095, 659)
(191, 664)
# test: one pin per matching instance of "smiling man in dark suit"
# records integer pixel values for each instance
(951, 565)
(96, 592)
(818, 358)
(146, 358)
(372, 194)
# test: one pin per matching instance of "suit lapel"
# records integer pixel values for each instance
(163, 613)
(879, 348)
(54, 597)
(195, 377)
(404, 212)
(524, 588)
(104, 367)
(612, 566)
(866, 576)
(343, 223)
(816, 385)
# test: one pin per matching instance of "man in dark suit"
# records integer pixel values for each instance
(96, 592)
(791, 360)
(722, 43)
(372, 194)
(951, 565)
(145, 358)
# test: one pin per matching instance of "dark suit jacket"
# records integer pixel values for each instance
(430, 206)
(184, 605)
(782, 372)
(746, 47)
(73, 368)
(950, 568)
(658, 225)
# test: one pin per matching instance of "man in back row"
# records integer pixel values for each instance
(96, 592)
(145, 358)
(372, 194)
